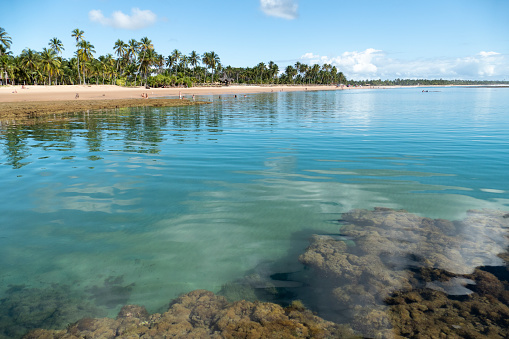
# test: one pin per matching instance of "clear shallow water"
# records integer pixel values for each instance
(168, 200)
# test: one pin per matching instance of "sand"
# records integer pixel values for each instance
(24, 102)
(100, 92)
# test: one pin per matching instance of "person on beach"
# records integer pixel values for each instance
(77, 96)
(180, 95)
(193, 97)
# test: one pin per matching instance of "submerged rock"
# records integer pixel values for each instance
(396, 256)
(202, 314)
(23, 308)
(437, 315)
(112, 292)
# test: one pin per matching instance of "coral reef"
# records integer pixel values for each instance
(202, 314)
(386, 257)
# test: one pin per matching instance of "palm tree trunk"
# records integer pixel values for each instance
(79, 76)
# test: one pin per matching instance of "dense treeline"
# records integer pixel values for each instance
(137, 63)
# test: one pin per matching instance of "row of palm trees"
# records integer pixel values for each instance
(137, 63)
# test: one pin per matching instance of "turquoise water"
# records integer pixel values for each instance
(168, 200)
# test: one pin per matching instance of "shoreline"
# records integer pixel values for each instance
(104, 92)
(24, 102)
(19, 103)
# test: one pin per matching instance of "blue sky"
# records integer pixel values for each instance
(450, 39)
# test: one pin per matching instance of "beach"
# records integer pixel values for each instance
(104, 92)
(21, 102)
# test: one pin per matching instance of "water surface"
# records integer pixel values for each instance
(144, 204)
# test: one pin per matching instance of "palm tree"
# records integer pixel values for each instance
(96, 67)
(86, 54)
(107, 64)
(78, 34)
(194, 59)
(170, 62)
(50, 63)
(176, 55)
(30, 61)
(3, 67)
(56, 45)
(303, 68)
(297, 66)
(3, 50)
(341, 78)
(184, 61)
(261, 68)
(5, 44)
(110, 66)
(132, 50)
(144, 45)
(5, 41)
(120, 49)
(273, 69)
(150, 59)
(334, 73)
(159, 62)
(211, 59)
(290, 72)
(314, 71)
(11, 66)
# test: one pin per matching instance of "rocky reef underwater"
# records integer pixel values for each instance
(385, 274)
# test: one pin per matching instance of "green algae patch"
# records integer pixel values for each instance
(16, 111)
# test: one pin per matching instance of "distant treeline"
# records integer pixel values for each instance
(425, 82)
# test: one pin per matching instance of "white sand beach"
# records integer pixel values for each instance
(99, 92)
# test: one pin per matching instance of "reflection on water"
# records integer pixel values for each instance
(141, 205)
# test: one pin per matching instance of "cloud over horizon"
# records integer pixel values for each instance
(138, 18)
(286, 9)
(374, 64)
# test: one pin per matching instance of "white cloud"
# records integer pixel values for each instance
(138, 18)
(487, 54)
(286, 9)
(374, 64)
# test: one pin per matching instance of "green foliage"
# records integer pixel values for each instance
(166, 80)
(121, 82)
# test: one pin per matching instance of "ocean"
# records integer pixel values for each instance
(137, 206)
